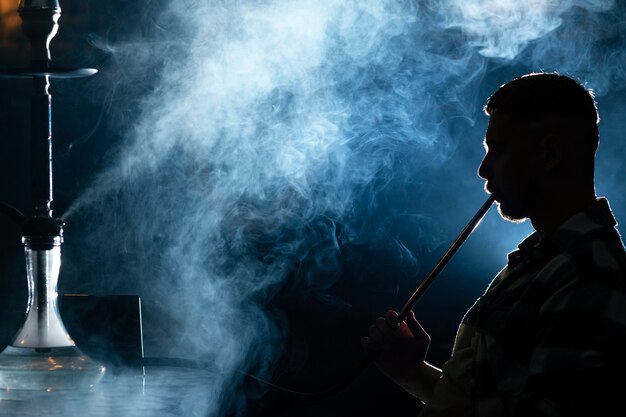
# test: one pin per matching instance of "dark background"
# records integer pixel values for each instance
(332, 272)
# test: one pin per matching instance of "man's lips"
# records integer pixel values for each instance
(489, 190)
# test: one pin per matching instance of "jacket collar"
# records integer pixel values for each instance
(596, 217)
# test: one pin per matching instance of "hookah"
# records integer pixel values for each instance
(42, 355)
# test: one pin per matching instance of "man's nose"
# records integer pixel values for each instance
(484, 170)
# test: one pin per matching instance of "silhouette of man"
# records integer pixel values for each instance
(548, 337)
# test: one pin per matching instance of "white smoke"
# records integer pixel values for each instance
(501, 29)
(262, 136)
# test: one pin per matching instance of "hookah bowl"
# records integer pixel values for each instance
(42, 355)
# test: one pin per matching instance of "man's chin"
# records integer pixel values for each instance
(510, 214)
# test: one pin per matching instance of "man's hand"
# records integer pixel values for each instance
(400, 349)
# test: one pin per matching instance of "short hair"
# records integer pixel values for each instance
(544, 97)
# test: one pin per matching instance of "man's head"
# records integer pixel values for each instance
(540, 142)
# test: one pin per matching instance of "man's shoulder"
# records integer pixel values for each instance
(599, 254)
(591, 242)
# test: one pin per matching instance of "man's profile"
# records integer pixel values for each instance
(548, 336)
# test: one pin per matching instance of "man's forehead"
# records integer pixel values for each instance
(503, 127)
(500, 125)
(501, 121)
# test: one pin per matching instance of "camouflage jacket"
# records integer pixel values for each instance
(548, 337)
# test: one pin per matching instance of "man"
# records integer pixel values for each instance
(548, 337)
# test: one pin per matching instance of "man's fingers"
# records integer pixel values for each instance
(392, 319)
(376, 335)
(416, 328)
(388, 331)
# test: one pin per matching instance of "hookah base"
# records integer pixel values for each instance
(56, 368)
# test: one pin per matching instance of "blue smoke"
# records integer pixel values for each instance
(268, 144)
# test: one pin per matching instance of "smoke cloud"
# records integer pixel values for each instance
(268, 144)
(502, 29)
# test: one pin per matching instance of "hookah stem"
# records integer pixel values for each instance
(467, 230)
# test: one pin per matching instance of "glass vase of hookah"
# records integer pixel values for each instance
(42, 355)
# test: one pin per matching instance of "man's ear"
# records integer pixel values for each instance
(551, 148)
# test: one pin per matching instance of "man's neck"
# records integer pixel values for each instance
(556, 209)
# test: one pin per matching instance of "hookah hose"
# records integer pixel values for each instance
(467, 230)
(456, 244)
(371, 356)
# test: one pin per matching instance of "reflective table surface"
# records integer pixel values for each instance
(155, 391)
